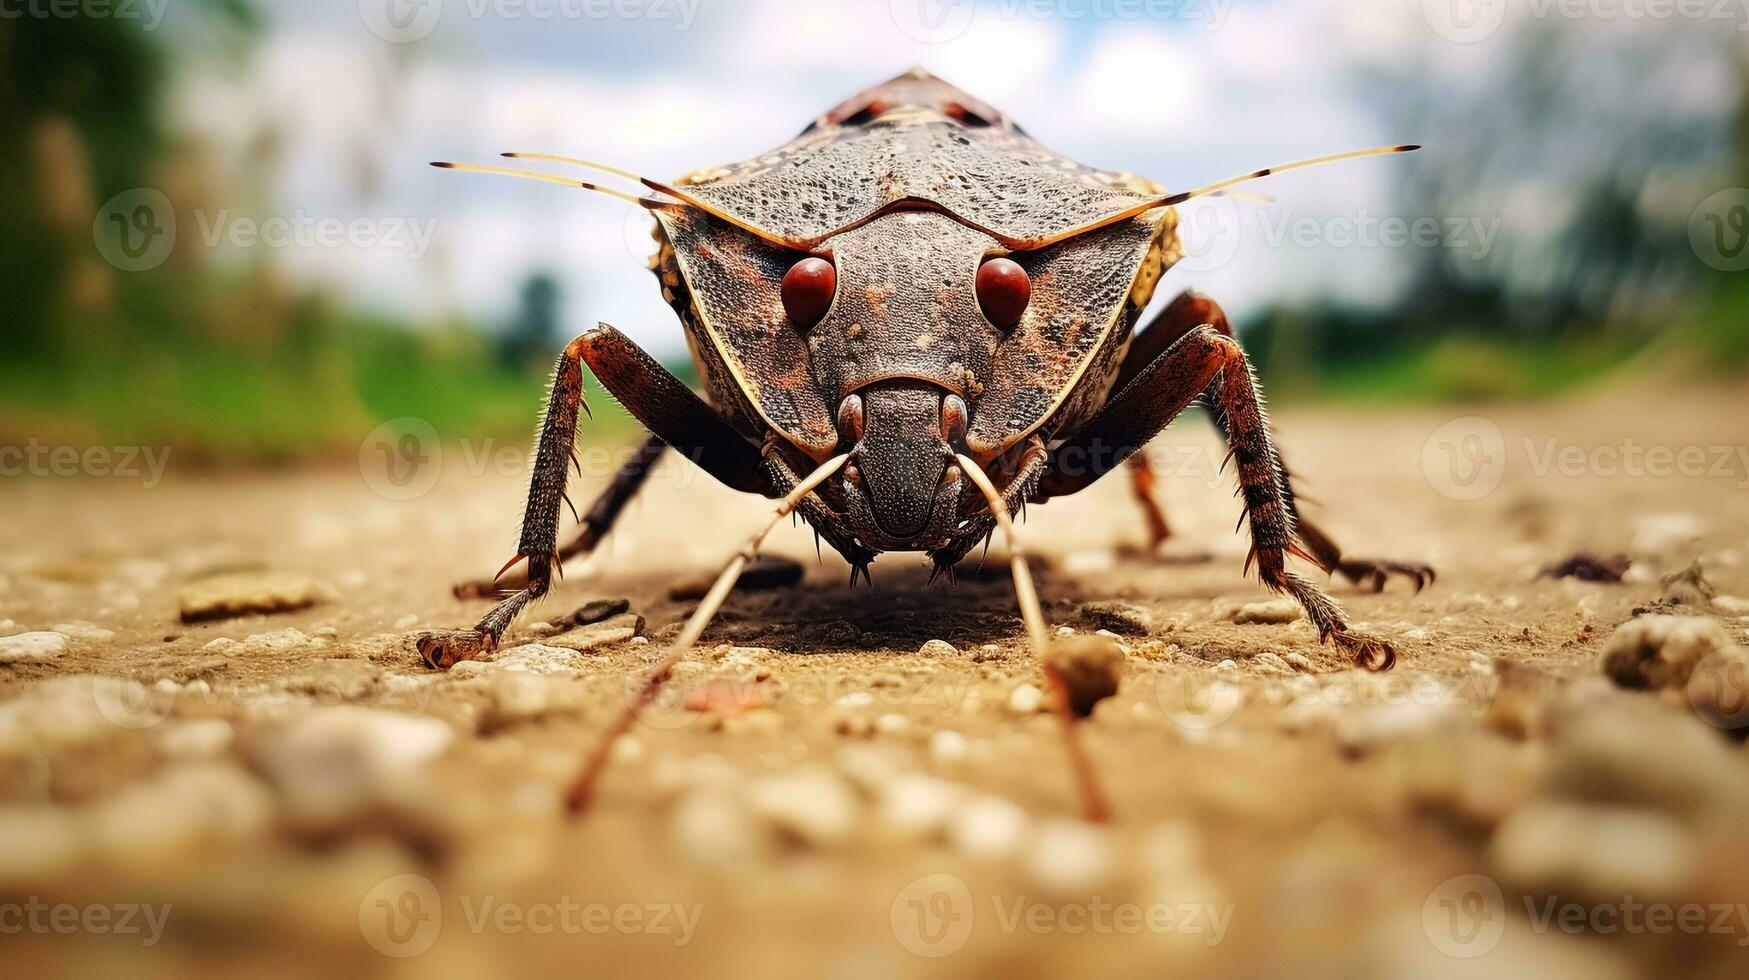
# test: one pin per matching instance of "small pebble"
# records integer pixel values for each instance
(947, 745)
(84, 631)
(817, 808)
(195, 739)
(917, 807)
(1026, 699)
(1599, 853)
(713, 829)
(243, 593)
(32, 647)
(1274, 612)
(938, 648)
(988, 828)
(1090, 667)
(1369, 728)
(1660, 651)
(892, 724)
(330, 762)
(1069, 856)
(600, 609)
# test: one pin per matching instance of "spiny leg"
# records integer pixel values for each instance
(1269, 509)
(540, 521)
(584, 788)
(672, 413)
(1093, 804)
(596, 523)
(1187, 311)
(1208, 364)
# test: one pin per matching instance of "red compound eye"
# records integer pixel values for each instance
(1003, 291)
(807, 291)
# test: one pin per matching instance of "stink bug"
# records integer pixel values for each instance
(910, 321)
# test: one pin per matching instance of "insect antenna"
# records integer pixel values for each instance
(481, 168)
(1221, 185)
(576, 162)
(584, 788)
(1093, 805)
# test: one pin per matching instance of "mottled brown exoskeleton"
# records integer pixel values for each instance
(910, 321)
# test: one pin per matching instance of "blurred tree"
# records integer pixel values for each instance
(80, 120)
(1592, 147)
(530, 340)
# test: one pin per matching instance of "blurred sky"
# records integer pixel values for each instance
(1210, 89)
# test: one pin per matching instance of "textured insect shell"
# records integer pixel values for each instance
(906, 307)
(995, 179)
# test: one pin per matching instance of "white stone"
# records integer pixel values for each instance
(1026, 699)
(947, 745)
(816, 807)
(917, 807)
(1069, 856)
(1601, 852)
(32, 647)
(938, 648)
(892, 724)
(1661, 535)
(79, 630)
(713, 829)
(329, 762)
(988, 828)
(195, 739)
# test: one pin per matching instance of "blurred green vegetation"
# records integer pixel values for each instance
(225, 364)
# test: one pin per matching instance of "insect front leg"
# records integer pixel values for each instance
(1209, 364)
(599, 519)
(1185, 313)
(674, 414)
(540, 521)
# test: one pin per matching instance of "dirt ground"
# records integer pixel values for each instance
(827, 793)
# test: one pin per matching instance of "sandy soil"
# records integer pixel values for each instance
(306, 797)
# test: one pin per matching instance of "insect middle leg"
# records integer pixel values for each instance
(1205, 363)
(1185, 313)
